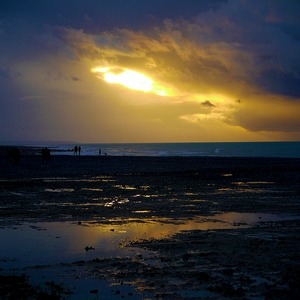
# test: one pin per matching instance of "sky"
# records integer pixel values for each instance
(132, 71)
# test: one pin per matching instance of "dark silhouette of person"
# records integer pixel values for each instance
(79, 149)
(75, 150)
(99, 151)
(17, 156)
(46, 156)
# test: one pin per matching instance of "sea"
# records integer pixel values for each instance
(228, 149)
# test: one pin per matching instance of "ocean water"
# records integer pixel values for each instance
(229, 149)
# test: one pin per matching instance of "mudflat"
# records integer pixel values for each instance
(247, 260)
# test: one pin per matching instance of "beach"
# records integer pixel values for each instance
(200, 227)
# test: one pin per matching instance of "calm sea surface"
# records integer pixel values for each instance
(245, 149)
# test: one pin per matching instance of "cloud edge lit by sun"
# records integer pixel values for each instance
(131, 79)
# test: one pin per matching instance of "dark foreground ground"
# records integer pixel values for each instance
(254, 262)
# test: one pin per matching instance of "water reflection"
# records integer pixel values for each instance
(124, 187)
(92, 189)
(55, 242)
(63, 190)
(116, 201)
(66, 179)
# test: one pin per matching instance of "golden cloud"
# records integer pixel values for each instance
(192, 63)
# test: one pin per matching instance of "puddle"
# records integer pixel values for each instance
(251, 219)
(59, 190)
(56, 242)
(46, 251)
(82, 285)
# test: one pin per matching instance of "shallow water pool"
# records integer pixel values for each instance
(48, 243)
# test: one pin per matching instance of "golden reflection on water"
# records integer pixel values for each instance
(225, 189)
(144, 187)
(108, 180)
(251, 182)
(66, 241)
(148, 196)
(246, 187)
(242, 190)
(124, 187)
(67, 179)
(239, 183)
(198, 200)
(63, 190)
(116, 201)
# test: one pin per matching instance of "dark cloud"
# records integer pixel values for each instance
(92, 16)
(207, 103)
(240, 42)
(74, 78)
(58, 76)
(275, 81)
(7, 73)
(263, 121)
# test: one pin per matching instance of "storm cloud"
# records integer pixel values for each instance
(223, 51)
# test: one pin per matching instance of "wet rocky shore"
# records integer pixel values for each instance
(247, 261)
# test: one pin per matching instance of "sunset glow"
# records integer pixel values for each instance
(199, 72)
(130, 79)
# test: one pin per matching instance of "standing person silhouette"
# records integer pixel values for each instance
(79, 149)
(46, 155)
(75, 150)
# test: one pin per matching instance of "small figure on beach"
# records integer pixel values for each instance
(79, 150)
(46, 155)
(75, 150)
(99, 152)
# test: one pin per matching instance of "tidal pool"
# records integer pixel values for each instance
(48, 243)
(53, 251)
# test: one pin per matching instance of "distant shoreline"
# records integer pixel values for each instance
(29, 150)
(32, 165)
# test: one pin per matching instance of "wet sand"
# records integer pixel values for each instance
(246, 261)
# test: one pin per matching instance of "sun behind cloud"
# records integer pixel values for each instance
(130, 79)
